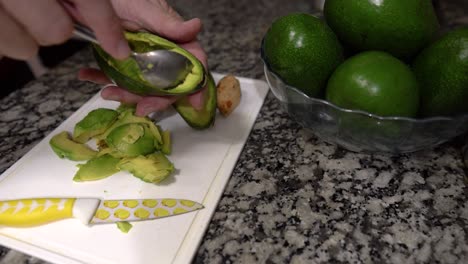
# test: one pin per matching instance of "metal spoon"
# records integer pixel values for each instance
(161, 68)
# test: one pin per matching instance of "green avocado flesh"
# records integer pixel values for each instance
(124, 226)
(166, 147)
(132, 140)
(94, 123)
(127, 117)
(205, 117)
(125, 142)
(97, 168)
(127, 74)
(152, 168)
(64, 147)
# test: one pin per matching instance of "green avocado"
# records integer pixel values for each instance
(375, 82)
(303, 51)
(152, 168)
(97, 168)
(64, 147)
(205, 117)
(127, 74)
(93, 124)
(399, 27)
(131, 140)
(442, 71)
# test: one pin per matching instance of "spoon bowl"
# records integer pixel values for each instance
(162, 68)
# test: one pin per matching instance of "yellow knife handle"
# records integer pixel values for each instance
(34, 212)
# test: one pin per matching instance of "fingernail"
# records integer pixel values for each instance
(123, 49)
(109, 96)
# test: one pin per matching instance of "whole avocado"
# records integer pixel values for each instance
(442, 71)
(399, 27)
(375, 82)
(303, 51)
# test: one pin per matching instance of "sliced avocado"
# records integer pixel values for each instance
(64, 147)
(199, 119)
(166, 140)
(97, 168)
(110, 151)
(124, 226)
(127, 116)
(132, 140)
(127, 74)
(166, 147)
(94, 123)
(152, 168)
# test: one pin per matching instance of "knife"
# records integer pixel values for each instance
(90, 211)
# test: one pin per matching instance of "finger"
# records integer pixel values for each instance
(148, 105)
(93, 75)
(45, 20)
(115, 93)
(173, 29)
(130, 25)
(197, 99)
(164, 21)
(72, 11)
(99, 15)
(15, 42)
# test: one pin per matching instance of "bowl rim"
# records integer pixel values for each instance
(268, 69)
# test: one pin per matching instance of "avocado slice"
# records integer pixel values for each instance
(131, 140)
(127, 116)
(152, 168)
(97, 168)
(199, 119)
(166, 140)
(124, 226)
(94, 123)
(64, 147)
(166, 147)
(127, 74)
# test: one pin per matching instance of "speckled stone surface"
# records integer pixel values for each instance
(292, 198)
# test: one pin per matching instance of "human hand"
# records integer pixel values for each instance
(25, 25)
(158, 17)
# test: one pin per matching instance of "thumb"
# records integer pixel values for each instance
(173, 28)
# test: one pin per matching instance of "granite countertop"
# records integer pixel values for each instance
(292, 198)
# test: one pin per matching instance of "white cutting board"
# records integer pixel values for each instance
(204, 160)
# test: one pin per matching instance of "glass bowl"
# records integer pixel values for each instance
(360, 131)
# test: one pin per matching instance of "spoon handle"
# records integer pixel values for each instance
(84, 33)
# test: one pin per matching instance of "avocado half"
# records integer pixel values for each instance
(127, 74)
(205, 117)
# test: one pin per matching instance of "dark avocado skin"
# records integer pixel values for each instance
(399, 27)
(199, 119)
(303, 51)
(442, 70)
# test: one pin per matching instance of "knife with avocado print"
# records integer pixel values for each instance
(40, 211)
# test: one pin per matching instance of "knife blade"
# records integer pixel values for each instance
(90, 211)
